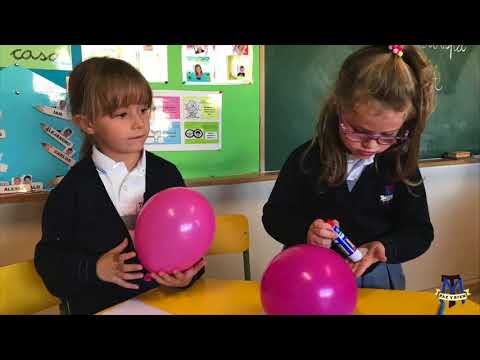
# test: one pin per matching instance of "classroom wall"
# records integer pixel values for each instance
(454, 198)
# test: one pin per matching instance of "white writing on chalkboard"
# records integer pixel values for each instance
(450, 48)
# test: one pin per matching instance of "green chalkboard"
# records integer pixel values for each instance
(298, 79)
(240, 152)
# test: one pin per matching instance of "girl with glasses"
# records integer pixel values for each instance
(361, 167)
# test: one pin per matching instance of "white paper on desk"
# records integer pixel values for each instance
(134, 307)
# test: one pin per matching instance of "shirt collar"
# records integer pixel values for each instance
(351, 160)
(105, 164)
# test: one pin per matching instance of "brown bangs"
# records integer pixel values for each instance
(121, 91)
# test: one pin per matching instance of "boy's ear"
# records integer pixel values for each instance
(83, 123)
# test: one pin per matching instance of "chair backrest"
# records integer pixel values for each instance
(231, 237)
(22, 291)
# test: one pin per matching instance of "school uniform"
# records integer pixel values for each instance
(369, 205)
(89, 213)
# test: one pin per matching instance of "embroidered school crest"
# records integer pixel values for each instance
(387, 197)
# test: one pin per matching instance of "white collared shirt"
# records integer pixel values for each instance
(126, 189)
(355, 168)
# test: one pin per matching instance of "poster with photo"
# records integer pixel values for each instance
(185, 120)
(217, 64)
(238, 68)
(150, 60)
(197, 64)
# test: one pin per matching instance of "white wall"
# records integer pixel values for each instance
(454, 199)
(19, 231)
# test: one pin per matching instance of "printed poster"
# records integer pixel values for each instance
(185, 120)
(150, 60)
(197, 63)
(217, 64)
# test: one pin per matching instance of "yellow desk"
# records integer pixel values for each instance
(237, 297)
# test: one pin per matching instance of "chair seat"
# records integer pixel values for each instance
(22, 290)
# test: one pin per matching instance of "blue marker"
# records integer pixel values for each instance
(344, 244)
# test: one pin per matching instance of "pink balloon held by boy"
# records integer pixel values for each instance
(174, 230)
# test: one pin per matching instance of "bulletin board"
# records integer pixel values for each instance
(39, 141)
(239, 152)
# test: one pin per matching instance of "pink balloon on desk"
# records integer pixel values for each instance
(174, 229)
(308, 280)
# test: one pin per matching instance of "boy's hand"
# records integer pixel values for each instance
(111, 267)
(179, 278)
